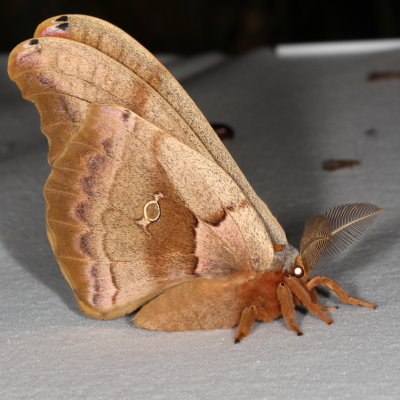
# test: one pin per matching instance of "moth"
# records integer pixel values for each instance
(145, 207)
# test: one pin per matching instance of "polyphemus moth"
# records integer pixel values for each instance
(145, 208)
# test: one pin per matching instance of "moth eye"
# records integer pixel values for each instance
(34, 41)
(298, 272)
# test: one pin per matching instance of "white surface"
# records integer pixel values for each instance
(289, 116)
(336, 48)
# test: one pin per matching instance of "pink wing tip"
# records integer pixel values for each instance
(60, 30)
(23, 55)
(56, 26)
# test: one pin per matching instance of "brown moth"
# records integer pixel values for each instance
(146, 208)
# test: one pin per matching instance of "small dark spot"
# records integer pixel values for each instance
(383, 76)
(63, 18)
(244, 203)
(84, 244)
(371, 132)
(96, 297)
(42, 78)
(94, 273)
(7, 148)
(236, 341)
(218, 219)
(333, 165)
(222, 130)
(80, 211)
(107, 146)
(87, 185)
(114, 281)
(34, 41)
(96, 163)
(63, 26)
(125, 115)
(299, 333)
(65, 105)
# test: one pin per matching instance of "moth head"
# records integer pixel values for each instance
(331, 233)
(298, 269)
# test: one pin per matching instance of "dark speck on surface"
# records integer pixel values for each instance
(222, 130)
(333, 165)
(371, 132)
(383, 75)
(6, 149)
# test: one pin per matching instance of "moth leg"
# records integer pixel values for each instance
(304, 296)
(313, 295)
(314, 299)
(285, 299)
(338, 290)
(247, 318)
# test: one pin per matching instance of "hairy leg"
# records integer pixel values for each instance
(338, 290)
(285, 299)
(303, 294)
(246, 322)
(314, 299)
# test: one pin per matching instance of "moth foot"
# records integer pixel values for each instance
(285, 299)
(325, 308)
(247, 318)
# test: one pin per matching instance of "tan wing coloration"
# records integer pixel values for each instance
(77, 77)
(199, 304)
(63, 77)
(128, 219)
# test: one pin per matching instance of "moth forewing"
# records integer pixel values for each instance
(118, 46)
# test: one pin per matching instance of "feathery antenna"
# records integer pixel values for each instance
(334, 231)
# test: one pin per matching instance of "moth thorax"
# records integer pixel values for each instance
(286, 257)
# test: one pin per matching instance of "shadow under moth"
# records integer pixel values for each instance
(145, 207)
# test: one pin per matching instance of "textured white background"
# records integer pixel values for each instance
(289, 115)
